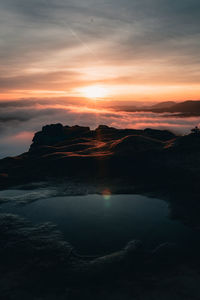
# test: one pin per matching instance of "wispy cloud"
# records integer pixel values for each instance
(59, 45)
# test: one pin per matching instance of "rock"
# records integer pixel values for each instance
(166, 253)
(133, 247)
(162, 135)
(135, 143)
(56, 133)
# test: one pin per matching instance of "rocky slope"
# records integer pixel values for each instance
(47, 267)
(152, 159)
(61, 151)
(147, 156)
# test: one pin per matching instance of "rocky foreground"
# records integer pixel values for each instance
(36, 263)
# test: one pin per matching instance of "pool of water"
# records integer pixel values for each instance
(96, 224)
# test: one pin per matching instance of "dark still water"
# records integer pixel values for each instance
(96, 224)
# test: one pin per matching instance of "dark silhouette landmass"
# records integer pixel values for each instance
(163, 105)
(187, 107)
(103, 154)
(152, 158)
(182, 109)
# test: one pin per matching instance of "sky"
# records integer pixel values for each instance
(136, 50)
(68, 60)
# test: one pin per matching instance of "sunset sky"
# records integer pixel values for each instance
(140, 50)
(74, 61)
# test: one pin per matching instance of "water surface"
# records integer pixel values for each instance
(100, 224)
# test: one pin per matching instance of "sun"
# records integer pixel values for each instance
(94, 92)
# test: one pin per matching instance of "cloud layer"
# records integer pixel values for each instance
(19, 120)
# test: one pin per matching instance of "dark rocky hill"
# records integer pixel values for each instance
(147, 159)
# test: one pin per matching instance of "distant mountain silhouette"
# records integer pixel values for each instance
(166, 104)
(186, 108)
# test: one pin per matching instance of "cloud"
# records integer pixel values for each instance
(39, 80)
(19, 120)
(143, 49)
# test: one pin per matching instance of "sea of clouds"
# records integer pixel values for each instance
(19, 120)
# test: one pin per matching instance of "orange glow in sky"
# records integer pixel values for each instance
(115, 50)
(94, 92)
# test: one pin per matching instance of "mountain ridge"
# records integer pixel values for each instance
(146, 157)
(185, 108)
